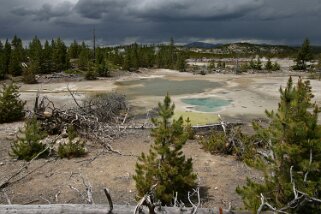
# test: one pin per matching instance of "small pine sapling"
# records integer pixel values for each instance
(28, 144)
(11, 106)
(293, 162)
(166, 165)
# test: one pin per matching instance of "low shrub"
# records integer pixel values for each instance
(203, 72)
(72, 132)
(255, 64)
(28, 77)
(272, 66)
(72, 71)
(90, 75)
(234, 142)
(243, 68)
(314, 76)
(102, 70)
(72, 149)
(215, 143)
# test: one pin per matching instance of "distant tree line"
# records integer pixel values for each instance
(135, 56)
(56, 56)
(37, 58)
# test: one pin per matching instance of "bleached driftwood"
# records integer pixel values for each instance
(98, 209)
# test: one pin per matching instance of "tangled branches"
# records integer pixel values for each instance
(98, 118)
(106, 107)
(299, 196)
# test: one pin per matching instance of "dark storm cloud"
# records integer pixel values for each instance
(46, 11)
(281, 9)
(95, 9)
(167, 9)
(118, 21)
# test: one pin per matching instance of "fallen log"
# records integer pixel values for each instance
(208, 127)
(100, 209)
(214, 126)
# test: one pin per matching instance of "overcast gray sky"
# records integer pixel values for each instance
(126, 21)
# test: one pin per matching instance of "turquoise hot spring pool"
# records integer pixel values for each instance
(207, 104)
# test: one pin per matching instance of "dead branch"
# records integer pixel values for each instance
(90, 160)
(6, 196)
(6, 182)
(310, 163)
(110, 202)
(43, 198)
(195, 207)
(299, 196)
(56, 196)
(87, 193)
(223, 123)
(147, 201)
(73, 97)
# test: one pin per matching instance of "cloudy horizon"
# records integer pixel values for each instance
(154, 21)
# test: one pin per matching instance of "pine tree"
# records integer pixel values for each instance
(102, 69)
(211, 65)
(127, 62)
(293, 136)
(318, 65)
(304, 55)
(269, 65)
(11, 107)
(276, 66)
(181, 63)
(134, 57)
(219, 64)
(2, 62)
(171, 53)
(165, 165)
(74, 50)
(47, 63)
(35, 50)
(83, 62)
(59, 55)
(258, 64)
(7, 56)
(28, 145)
(17, 57)
(99, 55)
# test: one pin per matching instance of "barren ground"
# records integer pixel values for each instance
(56, 180)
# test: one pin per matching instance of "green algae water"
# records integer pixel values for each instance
(160, 87)
(208, 104)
